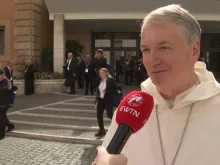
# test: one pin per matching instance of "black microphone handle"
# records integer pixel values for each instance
(119, 140)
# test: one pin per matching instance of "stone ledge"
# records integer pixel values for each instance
(42, 86)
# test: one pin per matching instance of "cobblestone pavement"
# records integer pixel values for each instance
(18, 151)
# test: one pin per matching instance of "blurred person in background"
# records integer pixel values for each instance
(105, 98)
(5, 95)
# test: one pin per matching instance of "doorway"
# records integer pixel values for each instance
(116, 44)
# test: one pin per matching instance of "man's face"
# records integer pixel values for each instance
(70, 55)
(78, 58)
(98, 55)
(87, 58)
(166, 56)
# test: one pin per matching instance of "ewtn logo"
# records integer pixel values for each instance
(135, 100)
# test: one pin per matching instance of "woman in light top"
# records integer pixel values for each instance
(105, 98)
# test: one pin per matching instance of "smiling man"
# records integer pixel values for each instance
(183, 128)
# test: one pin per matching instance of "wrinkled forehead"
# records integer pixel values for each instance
(158, 33)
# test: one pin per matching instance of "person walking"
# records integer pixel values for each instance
(105, 98)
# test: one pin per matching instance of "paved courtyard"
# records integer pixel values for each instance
(55, 117)
(18, 151)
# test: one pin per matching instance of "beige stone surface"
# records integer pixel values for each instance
(24, 6)
(23, 15)
(22, 53)
(36, 8)
(36, 39)
(19, 31)
(36, 31)
(23, 38)
(23, 23)
(36, 46)
(36, 53)
(36, 23)
(58, 43)
(41, 86)
(28, 29)
(23, 1)
(36, 16)
(23, 46)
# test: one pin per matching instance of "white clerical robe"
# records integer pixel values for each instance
(201, 144)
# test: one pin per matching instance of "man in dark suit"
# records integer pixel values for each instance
(89, 75)
(71, 70)
(8, 71)
(100, 61)
(141, 72)
(129, 65)
(118, 68)
(80, 72)
(29, 78)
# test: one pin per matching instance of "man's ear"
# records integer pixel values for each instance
(196, 50)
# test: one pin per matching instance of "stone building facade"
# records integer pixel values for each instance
(26, 30)
(27, 26)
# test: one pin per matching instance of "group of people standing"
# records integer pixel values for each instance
(97, 78)
(131, 69)
(85, 72)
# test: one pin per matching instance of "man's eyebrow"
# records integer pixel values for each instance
(163, 42)
(160, 43)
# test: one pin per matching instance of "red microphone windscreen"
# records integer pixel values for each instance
(134, 110)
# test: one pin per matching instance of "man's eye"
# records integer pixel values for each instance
(164, 47)
(146, 50)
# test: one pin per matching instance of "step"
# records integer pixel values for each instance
(63, 112)
(85, 128)
(64, 106)
(79, 104)
(81, 101)
(49, 119)
(59, 135)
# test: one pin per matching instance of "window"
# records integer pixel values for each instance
(129, 43)
(102, 43)
(2, 40)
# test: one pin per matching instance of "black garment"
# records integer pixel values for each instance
(89, 77)
(5, 96)
(141, 73)
(106, 102)
(118, 69)
(71, 77)
(6, 92)
(129, 65)
(80, 72)
(8, 73)
(29, 79)
(100, 111)
(2, 121)
(100, 63)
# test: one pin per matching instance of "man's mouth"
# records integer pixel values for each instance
(159, 71)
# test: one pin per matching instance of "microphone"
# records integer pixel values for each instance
(131, 115)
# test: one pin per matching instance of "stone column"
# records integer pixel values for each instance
(58, 50)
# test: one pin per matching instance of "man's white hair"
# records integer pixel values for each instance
(189, 26)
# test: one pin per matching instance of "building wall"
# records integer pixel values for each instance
(32, 31)
(27, 31)
(7, 9)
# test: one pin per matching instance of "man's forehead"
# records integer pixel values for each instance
(163, 42)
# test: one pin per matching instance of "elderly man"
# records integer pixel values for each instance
(71, 65)
(29, 78)
(183, 128)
